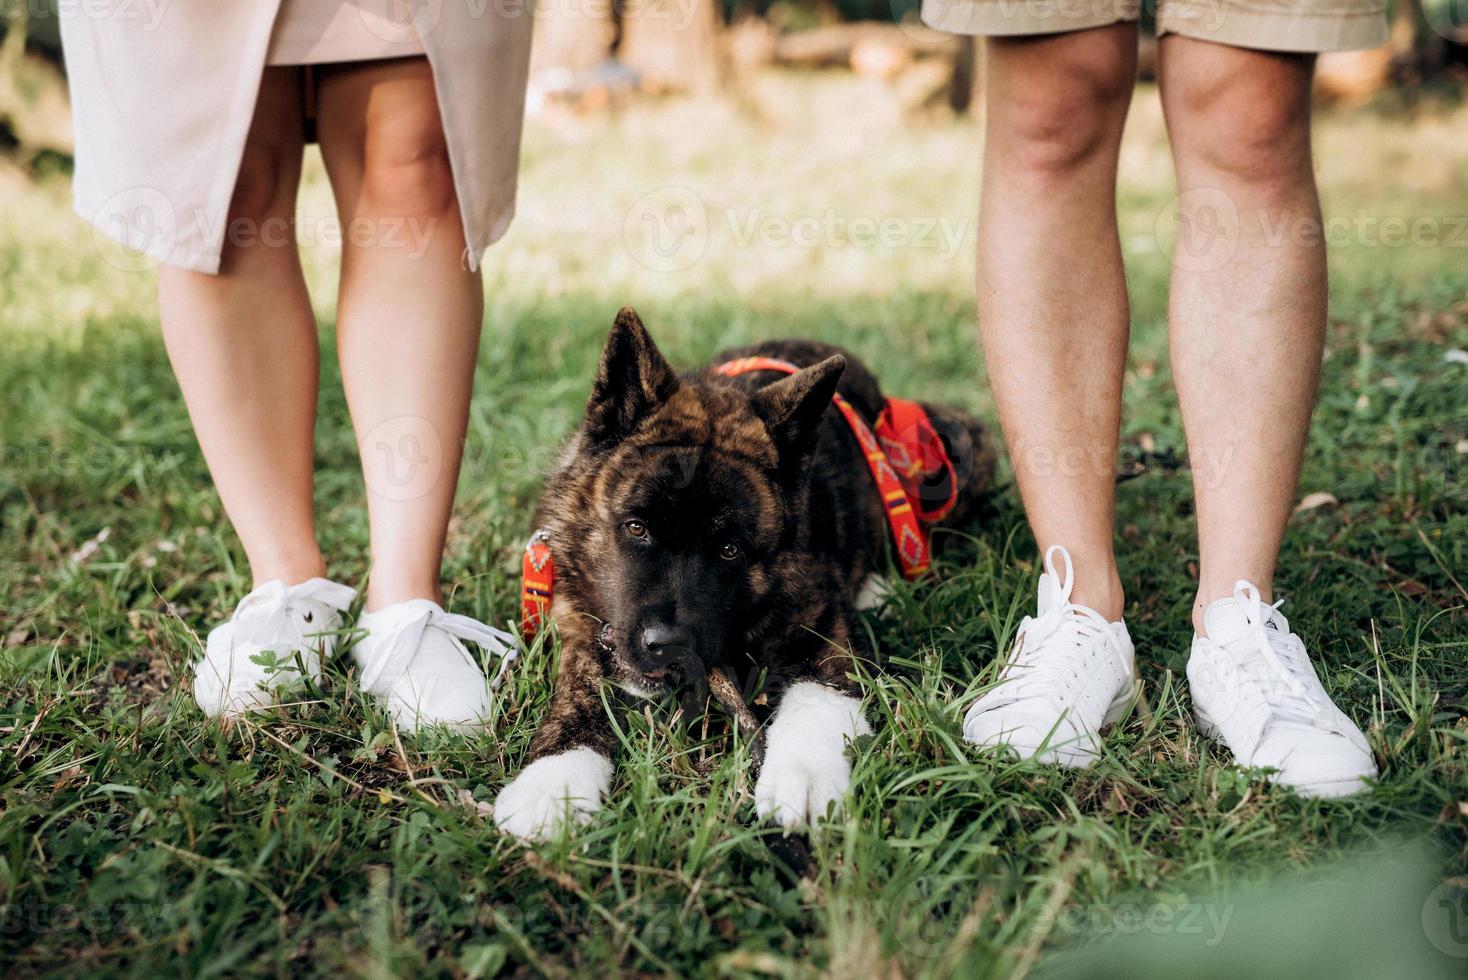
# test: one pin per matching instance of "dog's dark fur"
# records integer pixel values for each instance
(703, 522)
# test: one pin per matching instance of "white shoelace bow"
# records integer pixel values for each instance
(1282, 652)
(1085, 622)
(275, 603)
(1039, 676)
(405, 638)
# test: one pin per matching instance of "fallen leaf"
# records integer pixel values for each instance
(66, 777)
(480, 808)
(90, 546)
(1320, 498)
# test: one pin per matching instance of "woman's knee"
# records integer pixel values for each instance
(266, 183)
(408, 174)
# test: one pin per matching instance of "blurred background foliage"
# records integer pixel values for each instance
(591, 54)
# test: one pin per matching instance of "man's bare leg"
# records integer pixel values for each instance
(1054, 318)
(1247, 307)
(1051, 291)
(1247, 323)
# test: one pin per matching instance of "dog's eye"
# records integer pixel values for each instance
(636, 528)
(729, 551)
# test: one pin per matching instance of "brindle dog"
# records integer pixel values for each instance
(712, 527)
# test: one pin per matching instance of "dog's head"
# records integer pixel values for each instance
(693, 502)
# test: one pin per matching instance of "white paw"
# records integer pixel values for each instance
(805, 771)
(873, 592)
(798, 789)
(552, 793)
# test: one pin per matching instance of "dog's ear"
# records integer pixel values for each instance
(792, 407)
(634, 378)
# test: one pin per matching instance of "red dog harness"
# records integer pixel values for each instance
(903, 454)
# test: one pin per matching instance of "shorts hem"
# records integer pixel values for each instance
(1019, 18)
(1236, 24)
(1276, 30)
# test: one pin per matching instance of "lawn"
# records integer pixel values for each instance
(136, 837)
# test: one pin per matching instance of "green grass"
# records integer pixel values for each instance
(138, 838)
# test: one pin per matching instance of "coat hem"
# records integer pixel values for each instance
(162, 253)
(196, 260)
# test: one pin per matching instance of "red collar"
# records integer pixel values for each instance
(903, 452)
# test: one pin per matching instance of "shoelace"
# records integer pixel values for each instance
(1282, 653)
(1064, 619)
(405, 638)
(274, 604)
(1082, 622)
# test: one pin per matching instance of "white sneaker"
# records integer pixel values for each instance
(414, 658)
(254, 654)
(1254, 688)
(1071, 674)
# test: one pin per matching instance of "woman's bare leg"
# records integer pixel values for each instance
(243, 344)
(409, 313)
(1052, 295)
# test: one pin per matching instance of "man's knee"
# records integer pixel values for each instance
(1065, 111)
(409, 175)
(1253, 130)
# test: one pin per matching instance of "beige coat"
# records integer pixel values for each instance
(163, 94)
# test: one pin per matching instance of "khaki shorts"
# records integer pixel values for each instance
(1265, 25)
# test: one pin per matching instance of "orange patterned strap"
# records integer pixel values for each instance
(537, 579)
(907, 533)
(917, 453)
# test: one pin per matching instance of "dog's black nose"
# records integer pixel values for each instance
(663, 640)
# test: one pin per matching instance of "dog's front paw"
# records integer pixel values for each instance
(805, 770)
(798, 789)
(552, 793)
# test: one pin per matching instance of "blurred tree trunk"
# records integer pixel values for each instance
(967, 85)
(673, 44)
(35, 115)
(571, 36)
